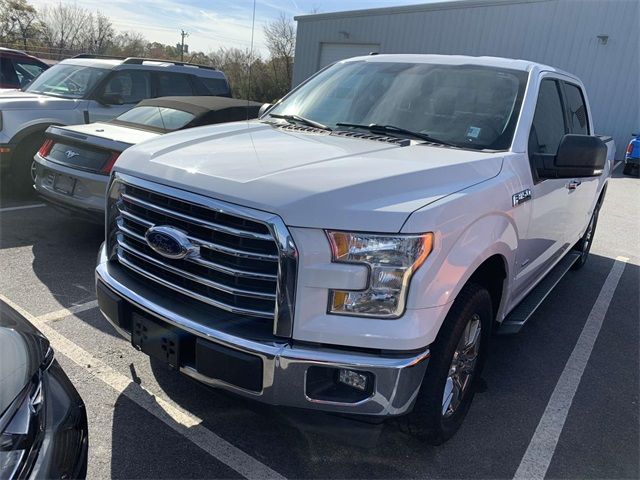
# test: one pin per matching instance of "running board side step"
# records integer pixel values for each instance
(514, 322)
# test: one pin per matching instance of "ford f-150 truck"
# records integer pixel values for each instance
(352, 250)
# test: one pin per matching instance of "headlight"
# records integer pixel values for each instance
(392, 260)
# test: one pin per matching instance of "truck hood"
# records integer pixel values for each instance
(309, 179)
(17, 99)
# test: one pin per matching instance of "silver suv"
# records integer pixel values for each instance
(87, 89)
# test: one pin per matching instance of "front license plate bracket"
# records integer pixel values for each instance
(156, 340)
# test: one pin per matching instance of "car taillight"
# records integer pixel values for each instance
(46, 147)
(109, 165)
(630, 148)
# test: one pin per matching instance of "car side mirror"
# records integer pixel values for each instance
(111, 99)
(577, 156)
(264, 108)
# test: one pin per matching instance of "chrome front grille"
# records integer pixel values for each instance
(244, 261)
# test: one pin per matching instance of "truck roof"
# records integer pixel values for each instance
(498, 62)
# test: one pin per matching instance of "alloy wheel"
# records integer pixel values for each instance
(462, 366)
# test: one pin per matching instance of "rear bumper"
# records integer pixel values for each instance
(87, 197)
(285, 367)
(632, 161)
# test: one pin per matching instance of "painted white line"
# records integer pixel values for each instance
(183, 422)
(65, 312)
(615, 167)
(22, 207)
(537, 458)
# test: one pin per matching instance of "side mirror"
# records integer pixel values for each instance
(111, 99)
(578, 156)
(264, 108)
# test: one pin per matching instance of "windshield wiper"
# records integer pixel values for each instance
(375, 128)
(298, 118)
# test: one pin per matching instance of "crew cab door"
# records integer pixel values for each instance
(119, 92)
(584, 190)
(550, 209)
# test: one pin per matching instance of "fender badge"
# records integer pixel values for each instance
(520, 197)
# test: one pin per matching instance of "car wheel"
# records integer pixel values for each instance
(455, 365)
(628, 169)
(583, 247)
(24, 166)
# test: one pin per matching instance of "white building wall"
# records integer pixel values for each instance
(561, 33)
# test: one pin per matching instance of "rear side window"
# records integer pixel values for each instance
(174, 84)
(548, 122)
(27, 70)
(131, 85)
(8, 77)
(216, 86)
(576, 110)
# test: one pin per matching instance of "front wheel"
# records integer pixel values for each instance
(455, 365)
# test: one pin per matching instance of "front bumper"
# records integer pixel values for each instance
(285, 364)
(6, 155)
(64, 448)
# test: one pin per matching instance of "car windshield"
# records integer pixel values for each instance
(66, 80)
(462, 105)
(156, 117)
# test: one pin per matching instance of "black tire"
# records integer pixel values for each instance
(23, 162)
(584, 244)
(428, 420)
(631, 170)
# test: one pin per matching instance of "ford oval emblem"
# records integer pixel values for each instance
(169, 242)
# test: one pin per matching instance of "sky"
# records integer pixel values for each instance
(211, 23)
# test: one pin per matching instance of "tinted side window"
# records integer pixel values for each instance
(215, 86)
(27, 70)
(576, 110)
(548, 122)
(131, 85)
(174, 84)
(8, 77)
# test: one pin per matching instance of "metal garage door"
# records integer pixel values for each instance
(332, 52)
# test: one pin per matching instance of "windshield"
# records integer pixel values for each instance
(68, 81)
(156, 117)
(466, 106)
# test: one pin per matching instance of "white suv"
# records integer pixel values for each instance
(87, 89)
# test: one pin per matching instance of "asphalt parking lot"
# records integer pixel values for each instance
(147, 421)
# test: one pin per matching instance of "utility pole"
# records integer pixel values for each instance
(182, 34)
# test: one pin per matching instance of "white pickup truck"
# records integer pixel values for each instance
(352, 250)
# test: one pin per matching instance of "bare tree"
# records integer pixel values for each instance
(130, 44)
(18, 21)
(102, 33)
(280, 37)
(64, 26)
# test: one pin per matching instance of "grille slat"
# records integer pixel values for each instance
(196, 221)
(193, 277)
(235, 263)
(207, 244)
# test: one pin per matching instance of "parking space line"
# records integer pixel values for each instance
(22, 207)
(537, 458)
(65, 312)
(183, 422)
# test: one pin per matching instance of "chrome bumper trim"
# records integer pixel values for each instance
(397, 378)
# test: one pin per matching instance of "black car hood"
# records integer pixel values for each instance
(22, 350)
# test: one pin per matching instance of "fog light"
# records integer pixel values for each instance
(353, 379)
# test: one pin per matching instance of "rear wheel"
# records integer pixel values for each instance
(457, 358)
(583, 247)
(630, 169)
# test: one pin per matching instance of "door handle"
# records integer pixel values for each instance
(573, 184)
